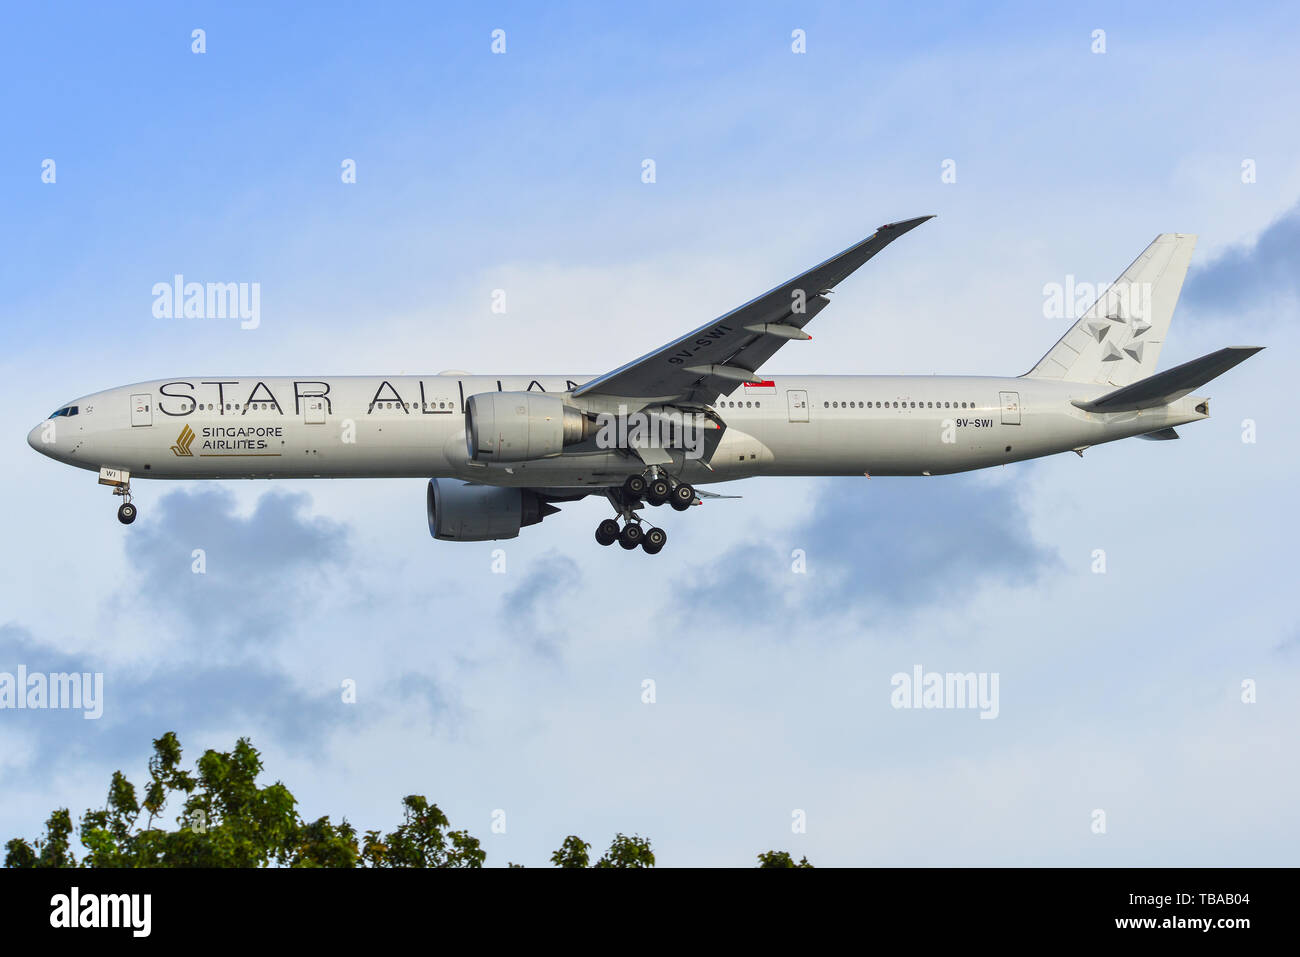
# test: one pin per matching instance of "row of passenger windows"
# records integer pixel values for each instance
(864, 405)
(269, 406)
(896, 405)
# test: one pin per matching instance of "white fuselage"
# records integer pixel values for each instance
(414, 426)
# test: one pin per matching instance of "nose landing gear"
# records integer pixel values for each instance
(120, 481)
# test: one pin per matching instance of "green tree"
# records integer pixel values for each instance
(627, 851)
(227, 820)
(52, 851)
(572, 853)
(780, 859)
(419, 841)
(624, 851)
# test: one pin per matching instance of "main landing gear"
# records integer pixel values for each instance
(656, 489)
(631, 533)
(659, 489)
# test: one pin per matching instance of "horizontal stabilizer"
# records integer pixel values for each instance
(703, 494)
(1170, 385)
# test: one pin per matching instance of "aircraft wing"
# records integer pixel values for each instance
(719, 355)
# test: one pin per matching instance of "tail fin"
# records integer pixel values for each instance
(1118, 340)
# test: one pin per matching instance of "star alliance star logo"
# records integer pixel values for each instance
(183, 442)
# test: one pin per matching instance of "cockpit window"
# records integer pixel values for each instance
(66, 410)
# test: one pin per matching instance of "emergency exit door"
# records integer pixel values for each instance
(1010, 408)
(141, 410)
(797, 399)
(313, 410)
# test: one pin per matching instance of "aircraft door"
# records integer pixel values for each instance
(313, 410)
(141, 410)
(1010, 407)
(797, 400)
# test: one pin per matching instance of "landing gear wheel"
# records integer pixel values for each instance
(607, 532)
(631, 536)
(634, 485)
(654, 540)
(658, 491)
(126, 513)
(683, 497)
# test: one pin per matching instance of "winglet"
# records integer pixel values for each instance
(909, 223)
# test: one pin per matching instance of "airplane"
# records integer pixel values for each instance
(501, 451)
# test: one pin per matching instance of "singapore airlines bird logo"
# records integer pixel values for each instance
(183, 442)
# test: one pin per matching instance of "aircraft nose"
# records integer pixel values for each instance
(34, 439)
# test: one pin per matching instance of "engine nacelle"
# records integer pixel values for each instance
(518, 426)
(481, 513)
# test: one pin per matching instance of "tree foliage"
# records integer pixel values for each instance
(628, 852)
(780, 859)
(572, 853)
(623, 851)
(225, 819)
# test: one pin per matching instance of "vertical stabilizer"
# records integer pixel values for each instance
(1118, 340)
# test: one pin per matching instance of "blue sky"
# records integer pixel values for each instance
(522, 691)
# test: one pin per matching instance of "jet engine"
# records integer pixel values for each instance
(518, 426)
(481, 513)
